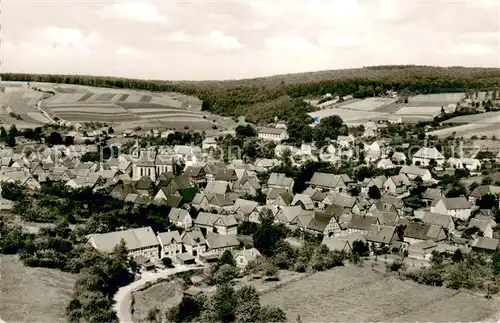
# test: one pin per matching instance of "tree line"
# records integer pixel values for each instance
(245, 97)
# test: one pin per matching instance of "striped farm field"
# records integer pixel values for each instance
(142, 106)
(85, 109)
(97, 117)
(85, 97)
(123, 97)
(487, 117)
(170, 115)
(103, 97)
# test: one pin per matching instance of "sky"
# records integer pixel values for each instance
(199, 40)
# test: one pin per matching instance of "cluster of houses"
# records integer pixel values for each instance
(223, 196)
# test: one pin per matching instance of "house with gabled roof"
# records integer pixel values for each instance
(222, 224)
(219, 243)
(485, 245)
(200, 201)
(457, 207)
(368, 182)
(279, 197)
(301, 220)
(331, 182)
(197, 174)
(337, 244)
(432, 194)
(217, 187)
(180, 218)
(244, 209)
(243, 257)
(416, 232)
(286, 214)
(279, 180)
(484, 226)
(220, 202)
(425, 155)
(482, 190)
(386, 218)
(346, 201)
(303, 200)
(140, 242)
(444, 220)
(361, 223)
(170, 244)
(397, 185)
(226, 175)
(194, 242)
(412, 172)
(390, 204)
(381, 235)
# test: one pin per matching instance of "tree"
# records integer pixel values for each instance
(13, 130)
(69, 141)
(374, 193)
(12, 191)
(54, 138)
(268, 234)
(457, 256)
(360, 248)
(227, 258)
(11, 140)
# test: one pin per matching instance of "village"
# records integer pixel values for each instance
(189, 201)
(209, 198)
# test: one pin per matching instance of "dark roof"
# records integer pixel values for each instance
(486, 243)
(381, 234)
(319, 222)
(362, 222)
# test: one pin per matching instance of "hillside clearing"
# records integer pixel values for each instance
(360, 294)
(33, 294)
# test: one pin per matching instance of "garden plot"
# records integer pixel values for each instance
(167, 102)
(440, 97)
(145, 99)
(353, 294)
(425, 111)
(368, 104)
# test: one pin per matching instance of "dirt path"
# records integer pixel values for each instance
(122, 298)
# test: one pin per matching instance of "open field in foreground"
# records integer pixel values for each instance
(356, 294)
(33, 294)
(163, 296)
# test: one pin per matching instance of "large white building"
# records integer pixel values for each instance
(424, 156)
(273, 134)
(140, 242)
(457, 207)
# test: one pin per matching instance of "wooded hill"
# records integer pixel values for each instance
(260, 99)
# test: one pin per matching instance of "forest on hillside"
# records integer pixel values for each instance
(260, 99)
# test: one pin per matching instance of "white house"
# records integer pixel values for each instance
(181, 218)
(472, 164)
(483, 225)
(245, 256)
(272, 134)
(425, 155)
(457, 207)
(346, 141)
